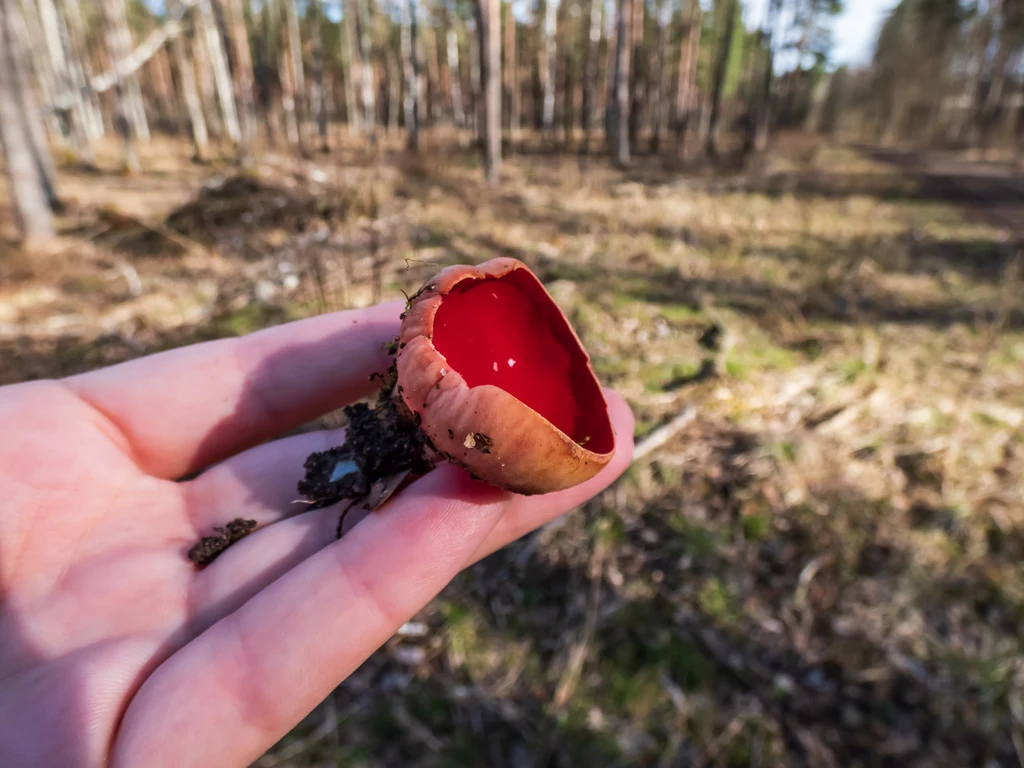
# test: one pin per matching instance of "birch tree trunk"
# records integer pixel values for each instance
(190, 97)
(82, 68)
(294, 49)
(59, 51)
(244, 78)
(288, 94)
(352, 70)
(489, 33)
(368, 97)
(25, 177)
(205, 81)
(28, 26)
(549, 55)
(458, 111)
(125, 119)
(221, 75)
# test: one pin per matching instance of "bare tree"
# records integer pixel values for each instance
(190, 97)
(244, 78)
(548, 62)
(119, 46)
(221, 75)
(636, 83)
(664, 17)
(591, 54)
(296, 71)
(458, 111)
(25, 177)
(718, 74)
(511, 74)
(365, 23)
(618, 118)
(352, 69)
(314, 17)
(410, 66)
(489, 33)
(764, 105)
(686, 79)
(81, 67)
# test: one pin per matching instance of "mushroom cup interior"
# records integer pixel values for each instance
(507, 332)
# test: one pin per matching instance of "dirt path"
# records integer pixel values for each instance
(992, 192)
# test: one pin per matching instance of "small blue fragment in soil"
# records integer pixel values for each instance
(343, 469)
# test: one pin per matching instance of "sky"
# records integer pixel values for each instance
(856, 30)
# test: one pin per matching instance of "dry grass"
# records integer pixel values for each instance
(821, 568)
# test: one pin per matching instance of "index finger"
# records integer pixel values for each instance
(182, 410)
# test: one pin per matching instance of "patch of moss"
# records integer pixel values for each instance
(718, 603)
(756, 526)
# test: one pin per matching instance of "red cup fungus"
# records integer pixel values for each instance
(498, 381)
(489, 375)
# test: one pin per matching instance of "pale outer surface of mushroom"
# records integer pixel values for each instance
(526, 453)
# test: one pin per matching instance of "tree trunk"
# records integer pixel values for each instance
(205, 81)
(489, 30)
(636, 81)
(718, 76)
(289, 97)
(219, 67)
(244, 78)
(118, 47)
(82, 68)
(60, 55)
(190, 97)
(566, 43)
(319, 96)
(548, 58)
(25, 178)
(476, 106)
(590, 62)
(364, 23)
(431, 95)
(511, 76)
(352, 71)
(458, 111)
(664, 18)
(762, 124)
(294, 53)
(618, 122)
(410, 67)
(41, 68)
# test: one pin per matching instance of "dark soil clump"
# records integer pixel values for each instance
(381, 444)
(209, 547)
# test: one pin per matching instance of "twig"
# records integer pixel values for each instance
(664, 433)
(571, 676)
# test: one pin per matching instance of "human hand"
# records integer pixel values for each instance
(114, 648)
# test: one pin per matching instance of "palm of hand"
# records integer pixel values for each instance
(113, 647)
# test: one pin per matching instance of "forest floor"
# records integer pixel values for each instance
(825, 567)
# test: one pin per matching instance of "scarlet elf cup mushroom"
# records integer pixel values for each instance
(489, 375)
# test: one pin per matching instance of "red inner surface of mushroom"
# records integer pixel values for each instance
(508, 332)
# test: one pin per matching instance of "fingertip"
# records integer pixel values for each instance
(623, 422)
